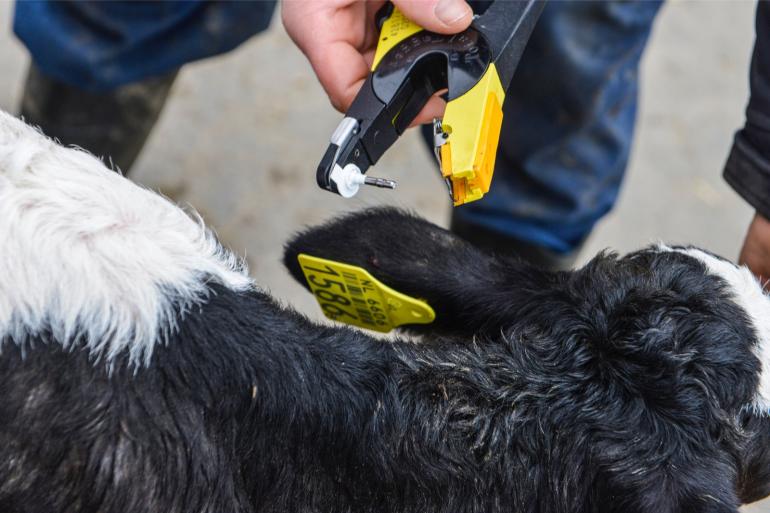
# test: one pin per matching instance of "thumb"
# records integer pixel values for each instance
(441, 16)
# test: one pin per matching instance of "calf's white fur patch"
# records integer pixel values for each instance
(86, 253)
(748, 294)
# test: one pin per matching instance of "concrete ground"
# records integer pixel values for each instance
(242, 134)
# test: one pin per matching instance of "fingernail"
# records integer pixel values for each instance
(450, 12)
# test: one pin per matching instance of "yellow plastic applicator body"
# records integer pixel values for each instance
(473, 123)
(472, 69)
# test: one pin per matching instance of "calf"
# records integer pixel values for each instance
(142, 370)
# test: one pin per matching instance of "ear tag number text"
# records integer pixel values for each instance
(351, 295)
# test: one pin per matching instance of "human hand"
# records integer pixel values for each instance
(756, 248)
(339, 37)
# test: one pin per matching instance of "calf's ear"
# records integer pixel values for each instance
(393, 245)
(410, 255)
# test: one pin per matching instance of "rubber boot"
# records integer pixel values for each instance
(508, 247)
(112, 125)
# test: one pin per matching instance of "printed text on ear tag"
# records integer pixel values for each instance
(351, 295)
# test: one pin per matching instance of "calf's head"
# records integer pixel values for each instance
(673, 339)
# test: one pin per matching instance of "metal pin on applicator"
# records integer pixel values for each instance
(347, 180)
(385, 183)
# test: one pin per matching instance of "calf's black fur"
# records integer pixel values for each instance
(621, 387)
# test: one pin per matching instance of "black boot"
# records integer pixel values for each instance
(503, 245)
(112, 125)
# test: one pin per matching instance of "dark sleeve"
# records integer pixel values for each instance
(748, 167)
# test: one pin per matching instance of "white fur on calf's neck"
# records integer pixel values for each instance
(85, 252)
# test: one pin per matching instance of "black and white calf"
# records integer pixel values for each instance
(141, 370)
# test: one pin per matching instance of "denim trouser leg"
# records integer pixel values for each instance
(98, 46)
(568, 123)
(102, 71)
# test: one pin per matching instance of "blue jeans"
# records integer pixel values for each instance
(98, 45)
(568, 123)
(568, 116)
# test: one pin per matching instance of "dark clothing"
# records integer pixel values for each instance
(748, 166)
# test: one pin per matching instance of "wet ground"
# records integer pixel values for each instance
(242, 134)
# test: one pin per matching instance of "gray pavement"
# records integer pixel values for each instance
(242, 135)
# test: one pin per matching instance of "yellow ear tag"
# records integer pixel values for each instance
(351, 295)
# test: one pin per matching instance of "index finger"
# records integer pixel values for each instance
(341, 69)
